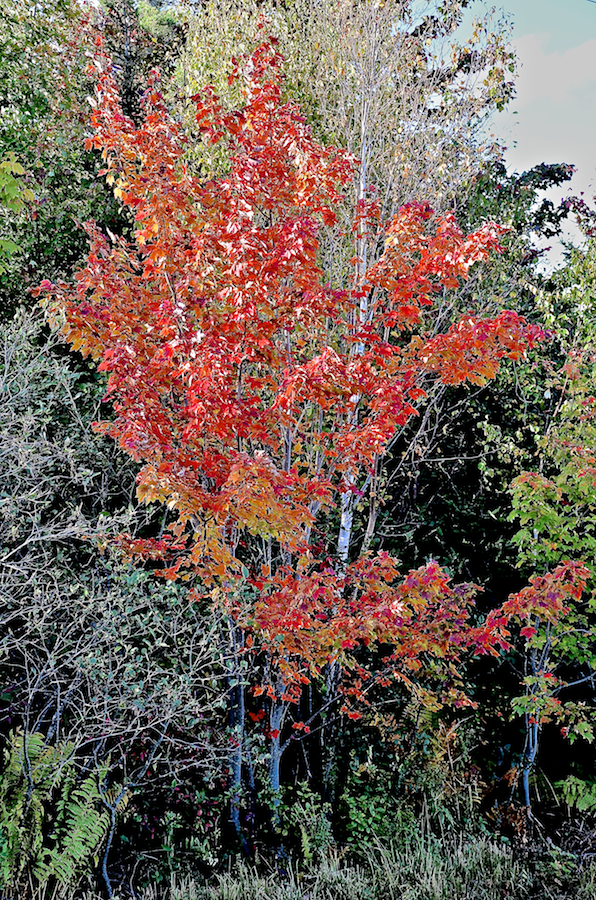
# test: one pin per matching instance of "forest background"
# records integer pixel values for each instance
(297, 587)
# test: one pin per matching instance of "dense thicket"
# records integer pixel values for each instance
(315, 380)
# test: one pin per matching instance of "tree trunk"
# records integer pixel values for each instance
(236, 716)
(276, 718)
(530, 751)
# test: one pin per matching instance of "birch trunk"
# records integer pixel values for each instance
(236, 716)
(347, 498)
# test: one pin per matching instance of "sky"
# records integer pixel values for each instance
(553, 116)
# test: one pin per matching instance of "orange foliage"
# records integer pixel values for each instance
(250, 389)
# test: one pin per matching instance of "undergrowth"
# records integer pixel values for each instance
(419, 867)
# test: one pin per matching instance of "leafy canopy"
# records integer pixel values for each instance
(254, 391)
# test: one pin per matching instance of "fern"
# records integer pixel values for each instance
(79, 830)
(27, 773)
(52, 820)
(578, 794)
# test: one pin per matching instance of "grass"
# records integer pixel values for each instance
(420, 867)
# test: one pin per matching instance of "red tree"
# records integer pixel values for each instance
(260, 398)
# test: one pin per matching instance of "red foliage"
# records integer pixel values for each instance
(253, 392)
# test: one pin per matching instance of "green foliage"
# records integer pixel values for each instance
(557, 513)
(555, 504)
(38, 72)
(46, 48)
(13, 197)
(43, 120)
(418, 762)
(305, 823)
(367, 805)
(514, 201)
(578, 793)
(52, 819)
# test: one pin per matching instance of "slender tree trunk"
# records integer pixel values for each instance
(236, 753)
(276, 718)
(530, 752)
(236, 716)
(346, 523)
(535, 665)
(328, 745)
(347, 498)
(277, 715)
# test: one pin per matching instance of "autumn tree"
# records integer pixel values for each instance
(398, 86)
(261, 398)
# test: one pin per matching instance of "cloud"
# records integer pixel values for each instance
(553, 118)
(554, 76)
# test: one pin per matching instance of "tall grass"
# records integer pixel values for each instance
(419, 867)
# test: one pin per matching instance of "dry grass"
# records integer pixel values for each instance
(418, 868)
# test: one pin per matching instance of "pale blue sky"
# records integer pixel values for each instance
(567, 22)
(553, 117)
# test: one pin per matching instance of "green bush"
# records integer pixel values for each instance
(305, 823)
(52, 819)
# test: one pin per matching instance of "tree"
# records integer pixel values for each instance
(391, 82)
(555, 506)
(450, 471)
(111, 683)
(396, 85)
(43, 116)
(261, 399)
